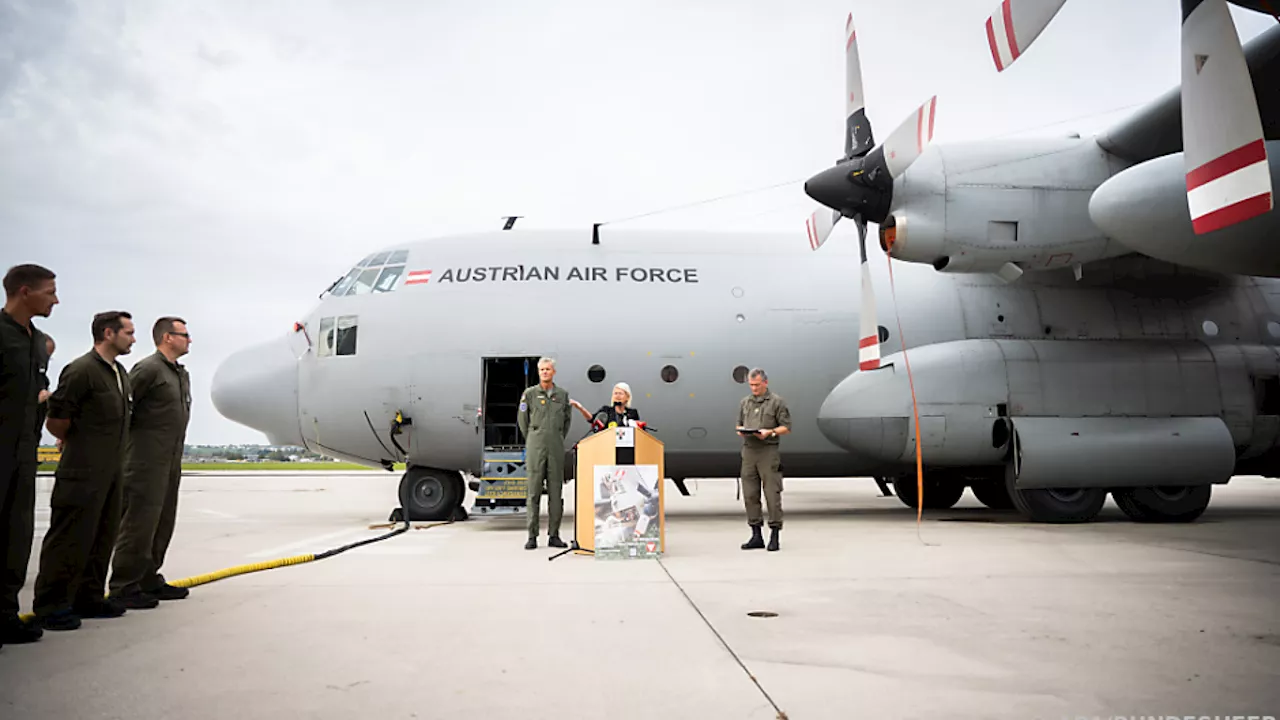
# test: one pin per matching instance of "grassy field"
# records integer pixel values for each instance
(260, 466)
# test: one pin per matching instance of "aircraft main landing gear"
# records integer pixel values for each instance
(941, 490)
(432, 494)
(1163, 504)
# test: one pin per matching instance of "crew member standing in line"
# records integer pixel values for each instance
(153, 468)
(89, 412)
(544, 417)
(30, 291)
(763, 418)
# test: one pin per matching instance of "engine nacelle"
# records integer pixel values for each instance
(1145, 208)
(977, 207)
(1097, 414)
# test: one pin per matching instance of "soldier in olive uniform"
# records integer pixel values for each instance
(30, 291)
(765, 414)
(544, 418)
(89, 411)
(153, 468)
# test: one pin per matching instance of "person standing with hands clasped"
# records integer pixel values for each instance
(763, 417)
(153, 468)
(89, 412)
(544, 417)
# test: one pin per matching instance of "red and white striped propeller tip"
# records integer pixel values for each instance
(1016, 24)
(1228, 177)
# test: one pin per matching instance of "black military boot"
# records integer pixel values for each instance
(773, 538)
(15, 632)
(555, 541)
(136, 600)
(169, 592)
(532, 544)
(756, 542)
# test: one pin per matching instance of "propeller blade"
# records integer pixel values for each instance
(868, 326)
(1228, 180)
(905, 144)
(1015, 25)
(819, 225)
(858, 139)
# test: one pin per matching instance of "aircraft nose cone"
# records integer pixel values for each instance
(258, 387)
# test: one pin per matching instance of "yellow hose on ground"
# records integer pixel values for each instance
(271, 564)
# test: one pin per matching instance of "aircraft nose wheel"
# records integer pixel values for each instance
(431, 494)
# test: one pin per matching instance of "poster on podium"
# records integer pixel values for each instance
(628, 512)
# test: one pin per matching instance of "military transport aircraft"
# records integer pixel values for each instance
(1069, 334)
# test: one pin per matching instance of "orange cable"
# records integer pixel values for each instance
(911, 383)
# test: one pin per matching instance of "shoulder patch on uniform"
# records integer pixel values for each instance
(523, 406)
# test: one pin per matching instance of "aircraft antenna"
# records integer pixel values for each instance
(510, 221)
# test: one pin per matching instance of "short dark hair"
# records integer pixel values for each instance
(162, 326)
(20, 276)
(110, 320)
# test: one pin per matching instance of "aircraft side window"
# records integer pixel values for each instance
(740, 374)
(387, 280)
(326, 337)
(669, 373)
(346, 335)
(399, 257)
(595, 373)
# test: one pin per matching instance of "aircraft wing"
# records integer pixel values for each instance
(1156, 129)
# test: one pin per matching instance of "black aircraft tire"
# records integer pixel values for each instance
(1158, 504)
(992, 493)
(1067, 505)
(939, 494)
(1054, 505)
(432, 494)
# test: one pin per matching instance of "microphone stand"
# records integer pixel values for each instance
(573, 544)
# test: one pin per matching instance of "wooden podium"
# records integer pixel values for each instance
(603, 448)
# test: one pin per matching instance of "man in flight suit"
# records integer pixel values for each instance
(89, 411)
(544, 418)
(765, 414)
(153, 468)
(30, 291)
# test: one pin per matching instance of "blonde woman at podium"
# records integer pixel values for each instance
(618, 414)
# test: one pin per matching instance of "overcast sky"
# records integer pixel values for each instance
(225, 161)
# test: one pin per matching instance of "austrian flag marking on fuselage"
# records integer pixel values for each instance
(418, 277)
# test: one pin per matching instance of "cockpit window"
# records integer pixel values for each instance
(377, 273)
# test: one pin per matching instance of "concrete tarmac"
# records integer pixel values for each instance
(973, 614)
